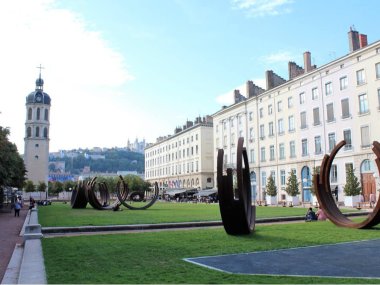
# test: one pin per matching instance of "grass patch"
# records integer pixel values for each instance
(157, 257)
(59, 214)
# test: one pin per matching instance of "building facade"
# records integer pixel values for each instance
(37, 125)
(293, 123)
(183, 160)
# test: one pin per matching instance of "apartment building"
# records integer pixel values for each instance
(293, 123)
(183, 160)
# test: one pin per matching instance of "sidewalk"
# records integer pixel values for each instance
(10, 228)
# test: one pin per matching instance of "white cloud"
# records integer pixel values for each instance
(82, 73)
(259, 8)
(281, 56)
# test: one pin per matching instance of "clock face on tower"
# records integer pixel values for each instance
(39, 98)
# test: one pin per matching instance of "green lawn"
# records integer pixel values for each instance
(59, 214)
(157, 257)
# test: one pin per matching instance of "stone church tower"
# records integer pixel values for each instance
(36, 152)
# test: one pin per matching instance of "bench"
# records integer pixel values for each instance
(365, 205)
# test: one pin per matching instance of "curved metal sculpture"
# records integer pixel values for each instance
(238, 214)
(136, 200)
(97, 195)
(326, 200)
(78, 196)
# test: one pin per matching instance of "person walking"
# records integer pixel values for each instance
(17, 208)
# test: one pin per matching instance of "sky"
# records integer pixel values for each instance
(117, 70)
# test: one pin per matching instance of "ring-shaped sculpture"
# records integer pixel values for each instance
(127, 197)
(236, 209)
(326, 200)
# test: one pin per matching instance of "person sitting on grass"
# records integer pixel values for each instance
(310, 215)
(321, 215)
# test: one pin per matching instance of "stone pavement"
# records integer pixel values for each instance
(10, 228)
(357, 259)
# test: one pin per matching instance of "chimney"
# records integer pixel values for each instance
(353, 40)
(363, 40)
(307, 61)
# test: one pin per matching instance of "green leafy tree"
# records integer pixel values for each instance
(292, 185)
(316, 170)
(29, 186)
(271, 187)
(68, 185)
(41, 186)
(352, 187)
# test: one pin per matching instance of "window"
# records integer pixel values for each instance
(303, 120)
(239, 120)
(378, 98)
(282, 175)
(280, 126)
(377, 66)
(343, 83)
(302, 98)
(334, 174)
(29, 113)
(330, 112)
(45, 133)
(262, 152)
(348, 166)
(263, 179)
(252, 156)
(241, 134)
(290, 102)
(292, 148)
(271, 152)
(364, 131)
(270, 109)
(331, 141)
(273, 174)
(224, 144)
(304, 147)
(316, 117)
(279, 106)
(314, 93)
(38, 113)
(347, 138)
(250, 116)
(291, 124)
(317, 144)
(262, 132)
(261, 112)
(360, 77)
(37, 132)
(345, 108)
(232, 122)
(282, 150)
(363, 104)
(328, 88)
(224, 128)
(28, 132)
(251, 134)
(271, 134)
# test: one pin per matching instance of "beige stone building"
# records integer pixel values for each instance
(183, 160)
(293, 123)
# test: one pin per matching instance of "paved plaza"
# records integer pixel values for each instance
(348, 260)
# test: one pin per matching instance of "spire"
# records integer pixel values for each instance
(39, 81)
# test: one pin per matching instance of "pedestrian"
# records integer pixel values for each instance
(336, 193)
(17, 208)
(310, 215)
(321, 215)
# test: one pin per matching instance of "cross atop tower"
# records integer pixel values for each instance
(40, 67)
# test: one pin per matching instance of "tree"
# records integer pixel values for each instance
(292, 185)
(29, 186)
(41, 186)
(352, 187)
(271, 187)
(68, 185)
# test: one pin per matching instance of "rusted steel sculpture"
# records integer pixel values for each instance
(89, 192)
(78, 196)
(326, 200)
(136, 200)
(238, 214)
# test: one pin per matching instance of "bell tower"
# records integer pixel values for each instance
(37, 124)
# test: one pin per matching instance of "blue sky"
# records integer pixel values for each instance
(121, 69)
